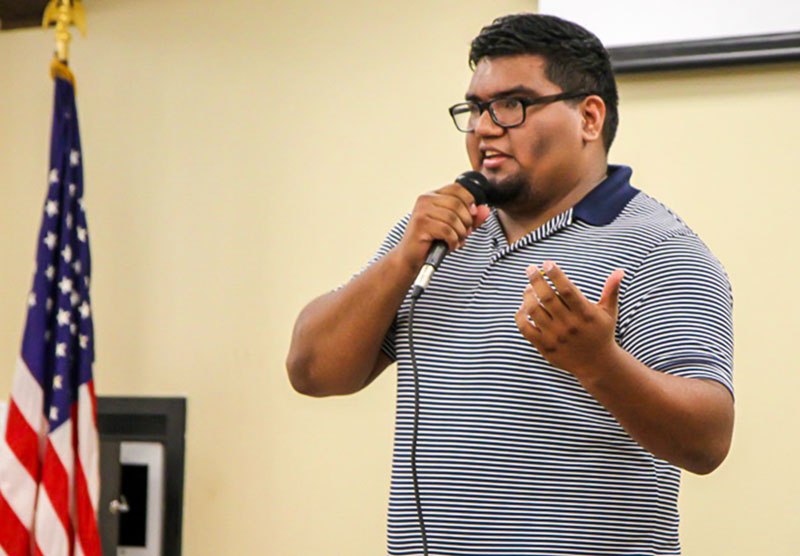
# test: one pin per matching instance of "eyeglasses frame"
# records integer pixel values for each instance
(525, 101)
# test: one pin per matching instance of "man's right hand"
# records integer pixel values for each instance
(449, 214)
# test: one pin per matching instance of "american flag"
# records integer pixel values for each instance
(49, 470)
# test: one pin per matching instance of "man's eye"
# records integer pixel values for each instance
(506, 104)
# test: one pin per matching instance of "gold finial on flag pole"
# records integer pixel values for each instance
(62, 14)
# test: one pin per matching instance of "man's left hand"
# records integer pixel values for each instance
(569, 331)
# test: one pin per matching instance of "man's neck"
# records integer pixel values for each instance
(519, 223)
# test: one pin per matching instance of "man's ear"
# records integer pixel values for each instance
(593, 116)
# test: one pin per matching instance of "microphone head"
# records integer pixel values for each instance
(477, 184)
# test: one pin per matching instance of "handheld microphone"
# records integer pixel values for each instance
(477, 184)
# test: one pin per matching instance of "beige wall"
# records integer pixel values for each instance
(244, 157)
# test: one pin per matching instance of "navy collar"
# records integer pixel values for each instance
(604, 203)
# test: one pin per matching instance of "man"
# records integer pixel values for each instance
(575, 347)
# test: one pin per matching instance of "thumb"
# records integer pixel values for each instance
(481, 215)
(609, 299)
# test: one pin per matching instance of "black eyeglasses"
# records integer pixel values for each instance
(505, 111)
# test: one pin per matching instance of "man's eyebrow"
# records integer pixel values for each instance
(519, 89)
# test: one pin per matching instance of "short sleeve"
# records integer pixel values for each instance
(676, 314)
(390, 242)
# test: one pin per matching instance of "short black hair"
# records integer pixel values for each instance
(575, 59)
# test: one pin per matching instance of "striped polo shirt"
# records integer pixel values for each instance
(514, 457)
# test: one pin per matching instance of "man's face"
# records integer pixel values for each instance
(535, 164)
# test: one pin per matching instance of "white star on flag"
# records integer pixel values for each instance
(67, 253)
(53, 413)
(77, 266)
(54, 175)
(61, 349)
(81, 233)
(51, 208)
(74, 157)
(49, 304)
(84, 340)
(62, 317)
(74, 298)
(73, 328)
(72, 189)
(50, 240)
(50, 272)
(65, 285)
(69, 220)
(57, 382)
(84, 310)
(32, 300)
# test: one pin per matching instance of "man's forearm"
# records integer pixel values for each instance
(686, 421)
(337, 337)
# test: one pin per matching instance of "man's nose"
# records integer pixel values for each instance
(485, 125)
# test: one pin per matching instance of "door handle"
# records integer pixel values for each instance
(119, 506)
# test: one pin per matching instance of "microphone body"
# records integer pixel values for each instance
(477, 184)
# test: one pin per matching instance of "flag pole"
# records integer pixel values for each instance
(63, 14)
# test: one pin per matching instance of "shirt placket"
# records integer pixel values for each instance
(502, 249)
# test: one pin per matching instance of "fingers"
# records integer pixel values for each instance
(438, 229)
(567, 292)
(527, 315)
(534, 307)
(554, 309)
(457, 199)
(459, 192)
(453, 220)
(546, 296)
(609, 299)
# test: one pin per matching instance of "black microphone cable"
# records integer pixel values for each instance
(414, 475)
(477, 184)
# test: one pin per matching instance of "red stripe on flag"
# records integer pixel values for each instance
(88, 533)
(14, 537)
(56, 482)
(22, 440)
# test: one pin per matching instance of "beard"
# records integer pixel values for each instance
(507, 192)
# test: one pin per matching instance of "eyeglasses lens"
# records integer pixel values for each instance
(506, 112)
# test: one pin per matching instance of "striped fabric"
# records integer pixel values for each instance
(514, 456)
